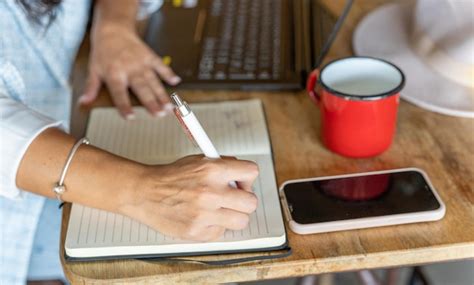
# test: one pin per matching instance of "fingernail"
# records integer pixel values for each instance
(169, 107)
(161, 113)
(130, 116)
(175, 80)
(82, 99)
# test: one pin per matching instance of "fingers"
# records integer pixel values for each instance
(230, 219)
(129, 64)
(245, 185)
(91, 91)
(222, 171)
(238, 200)
(146, 96)
(243, 171)
(165, 72)
(145, 84)
(151, 93)
(209, 233)
(210, 225)
(119, 92)
(158, 90)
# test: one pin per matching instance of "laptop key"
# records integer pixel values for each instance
(242, 76)
(220, 75)
(264, 75)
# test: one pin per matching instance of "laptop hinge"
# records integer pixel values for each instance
(297, 35)
(302, 38)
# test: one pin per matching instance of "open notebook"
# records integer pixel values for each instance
(237, 128)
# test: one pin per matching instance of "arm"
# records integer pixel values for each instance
(189, 199)
(42, 164)
(121, 60)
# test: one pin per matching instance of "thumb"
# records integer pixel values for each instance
(92, 89)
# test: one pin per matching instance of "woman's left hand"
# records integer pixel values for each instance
(121, 60)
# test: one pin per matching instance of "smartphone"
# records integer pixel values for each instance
(361, 200)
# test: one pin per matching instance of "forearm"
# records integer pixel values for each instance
(95, 178)
(190, 198)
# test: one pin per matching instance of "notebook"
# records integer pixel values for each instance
(237, 128)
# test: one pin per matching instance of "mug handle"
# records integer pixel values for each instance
(311, 86)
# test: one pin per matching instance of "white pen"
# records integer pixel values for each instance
(194, 130)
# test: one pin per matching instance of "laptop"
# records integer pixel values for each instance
(243, 44)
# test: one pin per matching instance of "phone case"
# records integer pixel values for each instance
(361, 223)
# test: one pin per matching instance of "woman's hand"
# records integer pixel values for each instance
(121, 60)
(191, 198)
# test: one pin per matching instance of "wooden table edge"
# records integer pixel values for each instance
(273, 270)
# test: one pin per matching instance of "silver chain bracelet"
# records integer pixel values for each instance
(59, 187)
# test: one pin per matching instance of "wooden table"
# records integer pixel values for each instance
(443, 146)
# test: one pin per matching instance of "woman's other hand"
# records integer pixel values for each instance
(121, 60)
(191, 198)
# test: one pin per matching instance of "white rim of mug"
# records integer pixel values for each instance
(348, 96)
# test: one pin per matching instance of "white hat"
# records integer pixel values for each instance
(433, 43)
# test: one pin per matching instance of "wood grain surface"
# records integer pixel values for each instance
(442, 146)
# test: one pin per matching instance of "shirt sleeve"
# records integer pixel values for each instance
(148, 7)
(19, 126)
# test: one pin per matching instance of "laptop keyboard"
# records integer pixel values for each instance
(241, 40)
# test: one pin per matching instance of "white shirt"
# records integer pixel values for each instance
(35, 94)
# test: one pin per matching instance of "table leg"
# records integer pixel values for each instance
(367, 277)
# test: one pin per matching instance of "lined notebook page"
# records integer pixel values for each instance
(235, 128)
(238, 128)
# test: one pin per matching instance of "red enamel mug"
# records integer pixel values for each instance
(358, 99)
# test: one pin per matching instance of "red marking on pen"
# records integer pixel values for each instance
(185, 128)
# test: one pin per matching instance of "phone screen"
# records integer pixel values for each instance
(359, 197)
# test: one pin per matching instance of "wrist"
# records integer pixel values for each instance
(126, 191)
(99, 179)
(110, 17)
(111, 29)
(135, 185)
